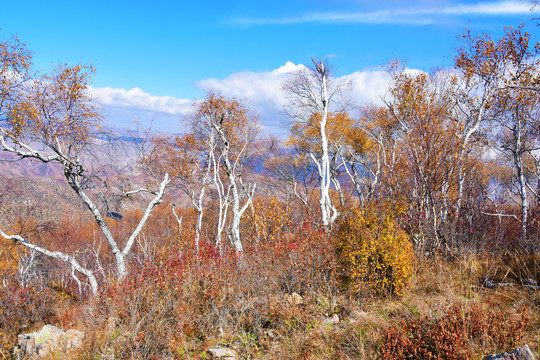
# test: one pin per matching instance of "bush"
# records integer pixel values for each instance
(23, 310)
(374, 251)
(454, 334)
(190, 303)
(269, 222)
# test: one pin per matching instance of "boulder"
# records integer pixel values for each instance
(224, 353)
(294, 299)
(522, 353)
(331, 320)
(46, 341)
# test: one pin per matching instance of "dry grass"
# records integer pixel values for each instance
(177, 307)
(162, 316)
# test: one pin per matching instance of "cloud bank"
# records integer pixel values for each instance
(126, 108)
(260, 90)
(137, 98)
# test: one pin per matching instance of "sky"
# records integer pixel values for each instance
(154, 58)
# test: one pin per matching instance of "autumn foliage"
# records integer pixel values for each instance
(374, 251)
(452, 334)
(404, 229)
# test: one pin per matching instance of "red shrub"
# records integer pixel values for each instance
(453, 335)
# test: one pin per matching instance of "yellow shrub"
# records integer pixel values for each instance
(374, 251)
(269, 220)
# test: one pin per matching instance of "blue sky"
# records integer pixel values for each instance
(154, 58)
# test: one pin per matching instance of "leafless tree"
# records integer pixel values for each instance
(313, 91)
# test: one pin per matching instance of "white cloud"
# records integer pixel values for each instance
(256, 87)
(138, 99)
(262, 91)
(493, 8)
(418, 16)
(123, 108)
(376, 17)
(368, 86)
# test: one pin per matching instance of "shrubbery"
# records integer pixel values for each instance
(374, 250)
(452, 335)
(185, 305)
(21, 310)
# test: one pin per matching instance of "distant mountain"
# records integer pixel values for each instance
(41, 199)
(30, 188)
(29, 168)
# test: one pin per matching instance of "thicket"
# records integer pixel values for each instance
(455, 333)
(289, 298)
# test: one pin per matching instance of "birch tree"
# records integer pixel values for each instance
(313, 92)
(230, 135)
(293, 176)
(517, 138)
(369, 152)
(305, 140)
(487, 67)
(52, 120)
(421, 116)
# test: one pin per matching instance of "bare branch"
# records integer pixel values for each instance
(155, 201)
(56, 255)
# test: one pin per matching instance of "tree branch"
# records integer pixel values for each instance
(155, 201)
(56, 255)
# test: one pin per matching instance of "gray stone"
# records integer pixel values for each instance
(331, 320)
(529, 281)
(222, 352)
(522, 353)
(294, 299)
(46, 341)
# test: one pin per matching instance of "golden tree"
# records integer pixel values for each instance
(423, 136)
(186, 158)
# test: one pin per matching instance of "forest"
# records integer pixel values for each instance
(408, 229)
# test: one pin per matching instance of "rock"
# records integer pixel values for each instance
(46, 341)
(222, 352)
(331, 320)
(294, 299)
(114, 215)
(236, 344)
(530, 284)
(111, 323)
(527, 283)
(490, 284)
(522, 353)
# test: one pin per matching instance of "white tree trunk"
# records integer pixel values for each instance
(119, 258)
(119, 255)
(199, 204)
(223, 198)
(237, 211)
(57, 255)
(236, 216)
(200, 211)
(522, 182)
(328, 212)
